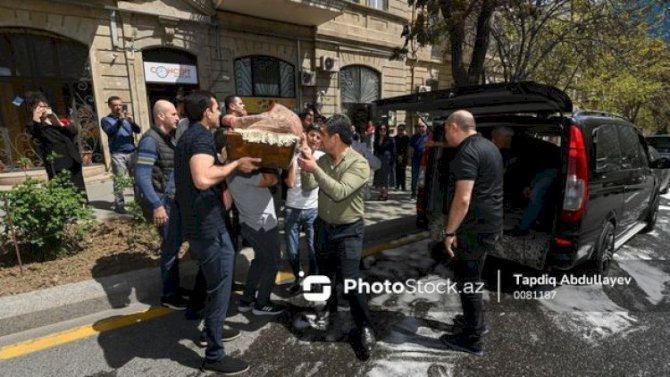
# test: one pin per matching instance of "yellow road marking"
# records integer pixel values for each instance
(67, 336)
(34, 345)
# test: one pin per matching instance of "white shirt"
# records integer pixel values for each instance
(299, 199)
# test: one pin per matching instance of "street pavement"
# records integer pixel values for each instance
(567, 330)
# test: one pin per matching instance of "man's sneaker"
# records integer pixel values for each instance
(268, 309)
(244, 306)
(174, 302)
(227, 366)
(463, 343)
(227, 335)
(296, 287)
(121, 210)
(459, 325)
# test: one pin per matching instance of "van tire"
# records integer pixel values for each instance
(652, 215)
(604, 254)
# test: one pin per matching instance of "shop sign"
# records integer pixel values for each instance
(170, 73)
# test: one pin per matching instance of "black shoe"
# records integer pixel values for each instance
(367, 343)
(227, 366)
(463, 343)
(121, 210)
(244, 306)
(515, 232)
(296, 287)
(173, 302)
(268, 309)
(459, 325)
(227, 335)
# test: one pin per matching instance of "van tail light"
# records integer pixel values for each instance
(577, 182)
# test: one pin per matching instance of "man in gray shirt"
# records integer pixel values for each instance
(259, 226)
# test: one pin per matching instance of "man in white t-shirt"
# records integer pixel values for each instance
(301, 210)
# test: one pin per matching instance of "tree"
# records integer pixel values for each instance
(467, 27)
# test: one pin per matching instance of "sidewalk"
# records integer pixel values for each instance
(388, 221)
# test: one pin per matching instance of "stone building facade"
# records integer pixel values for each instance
(332, 54)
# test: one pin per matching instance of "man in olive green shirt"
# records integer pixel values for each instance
(341, 175)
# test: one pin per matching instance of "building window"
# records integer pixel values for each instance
(264, 76)
(359, 84)
(376, 4)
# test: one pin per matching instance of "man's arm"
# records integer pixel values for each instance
(291, 175)
(206, 174)
(110, 126)
(146, 158)
(353, 179)
(136, 128)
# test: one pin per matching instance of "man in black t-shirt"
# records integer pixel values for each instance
(198, 178)
(474, 220)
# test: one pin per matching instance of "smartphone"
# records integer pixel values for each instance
(125, 107)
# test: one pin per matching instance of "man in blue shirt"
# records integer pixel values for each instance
(119, 127)
(155, 182)
(198, 179)
(418, 144)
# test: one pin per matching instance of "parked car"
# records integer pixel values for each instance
(606, 191)
(663, 175)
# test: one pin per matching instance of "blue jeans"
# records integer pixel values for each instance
(339, 256)
(541, 188)
(294, 218)
(170, 245)
(263, 270)
(216, 258)
(416, 166)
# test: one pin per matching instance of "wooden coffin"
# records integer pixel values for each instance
(274, 156)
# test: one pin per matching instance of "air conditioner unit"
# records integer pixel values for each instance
(330, 64)
(308, 78)
(422, 88)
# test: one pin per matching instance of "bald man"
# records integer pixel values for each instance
(155, 189)
(474, 219)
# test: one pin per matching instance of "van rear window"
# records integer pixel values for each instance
(660, 143)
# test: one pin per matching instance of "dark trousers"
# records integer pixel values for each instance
(263, 270)
(400, 176)
(468, 266)
(170, 245)
(338, 256)
(416, 167)
(216, 258)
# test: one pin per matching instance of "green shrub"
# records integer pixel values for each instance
(50, 218)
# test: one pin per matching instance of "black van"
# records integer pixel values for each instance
(605, 191)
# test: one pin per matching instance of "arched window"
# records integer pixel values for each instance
(359, 84)
(264, 76)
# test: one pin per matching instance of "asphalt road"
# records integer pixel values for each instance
(567, 330)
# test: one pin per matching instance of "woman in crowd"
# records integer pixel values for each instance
(55, 141)
(384, 149)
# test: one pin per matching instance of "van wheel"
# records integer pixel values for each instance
(652, 215)
(605, 250)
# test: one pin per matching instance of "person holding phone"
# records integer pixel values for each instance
(120, 126)
(55, 141)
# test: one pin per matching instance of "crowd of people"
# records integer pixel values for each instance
(191, 192)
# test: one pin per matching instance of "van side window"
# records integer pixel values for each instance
(608, 151)
(632, 154)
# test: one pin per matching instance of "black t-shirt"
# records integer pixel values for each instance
(477, 159)
(201, 211)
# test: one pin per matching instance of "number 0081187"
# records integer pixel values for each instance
(534, 295)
